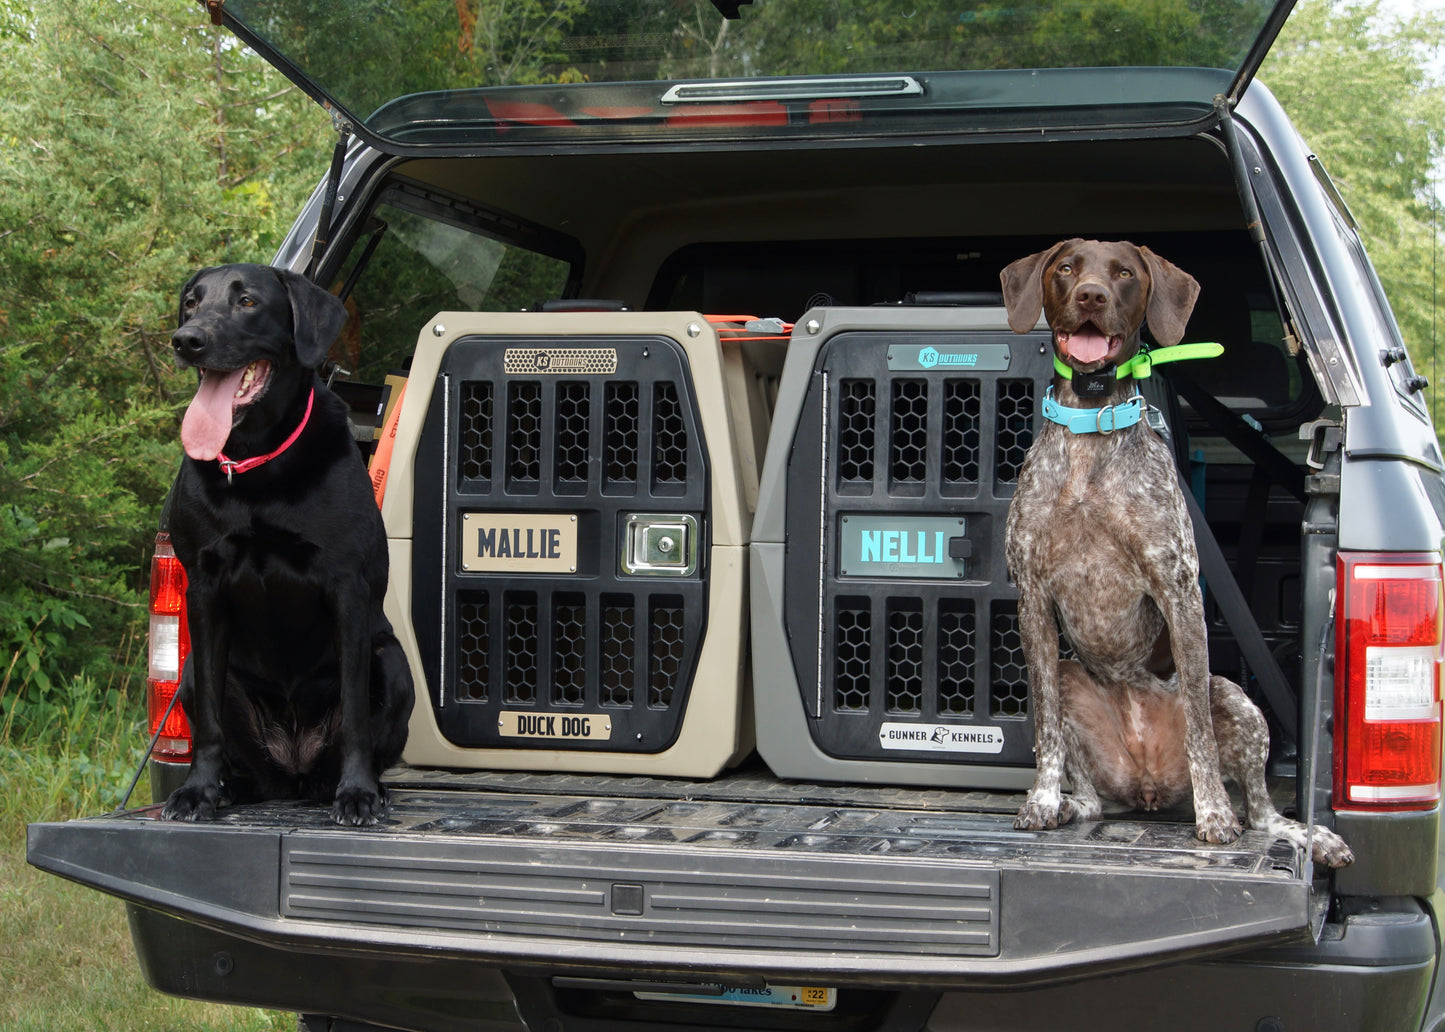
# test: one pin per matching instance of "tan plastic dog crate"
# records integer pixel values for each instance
(568, 506)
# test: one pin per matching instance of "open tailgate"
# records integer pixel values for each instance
(740, 876)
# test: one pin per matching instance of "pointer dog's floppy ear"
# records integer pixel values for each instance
(1023, 287)
(316, 317)
(1172, 293)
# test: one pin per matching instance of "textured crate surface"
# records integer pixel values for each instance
(890, 655)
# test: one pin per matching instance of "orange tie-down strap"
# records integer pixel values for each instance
(749, 327)
(381, 458)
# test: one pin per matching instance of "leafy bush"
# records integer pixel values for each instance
(138, 143)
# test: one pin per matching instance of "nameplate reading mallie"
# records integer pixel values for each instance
(516, 542)
(565, 727)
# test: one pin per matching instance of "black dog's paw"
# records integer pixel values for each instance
(359, 806)
(193, 803)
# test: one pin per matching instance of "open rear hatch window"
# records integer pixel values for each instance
(464, 74)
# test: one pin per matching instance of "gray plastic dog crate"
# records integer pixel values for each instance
(885, 638)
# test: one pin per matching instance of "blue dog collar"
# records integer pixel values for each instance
(1093, 420)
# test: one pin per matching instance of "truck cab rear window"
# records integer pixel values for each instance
(411, 261)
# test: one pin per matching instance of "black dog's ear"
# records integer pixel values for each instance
(1172, 293)
(181, 303)
(1023, 288)
(316, 317)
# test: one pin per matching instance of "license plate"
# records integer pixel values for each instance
(800, 997)
(518, 542)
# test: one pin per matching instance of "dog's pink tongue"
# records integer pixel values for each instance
(207, 422)
(1087, 344)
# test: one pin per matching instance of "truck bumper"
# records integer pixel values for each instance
(1373, 971)
(546, 896)
(165, 778)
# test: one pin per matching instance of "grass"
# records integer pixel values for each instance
(65, 953)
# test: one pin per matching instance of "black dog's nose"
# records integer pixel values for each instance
(189, 342)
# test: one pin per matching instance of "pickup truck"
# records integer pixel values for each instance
(677, 355)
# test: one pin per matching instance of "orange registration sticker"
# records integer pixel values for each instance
(798, 997)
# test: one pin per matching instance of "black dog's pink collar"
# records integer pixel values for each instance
(234, 466)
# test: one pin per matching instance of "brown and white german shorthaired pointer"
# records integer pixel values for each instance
(1100, 544)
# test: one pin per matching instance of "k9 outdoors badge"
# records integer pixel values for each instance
(977, 358)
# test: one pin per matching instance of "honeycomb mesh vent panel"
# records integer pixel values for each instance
(961, 435)
(853, 655)
(574, 432)
(621, 432)
(1010, 673)
(908, 442)
(523, 645)
(474, 648)
(669, 438)
(856, 435)
(1014, 427)
(957, 657)
(476, 434)
(524, 433)
(569, 649)
(905, 656)
(619, 652)
(668, 632)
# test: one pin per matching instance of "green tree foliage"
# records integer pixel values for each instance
(137, 142)
(442, 44)
(1359, 85)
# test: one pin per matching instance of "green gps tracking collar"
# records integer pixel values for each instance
(1142, 364)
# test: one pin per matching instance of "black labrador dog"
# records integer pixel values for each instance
(296, 686)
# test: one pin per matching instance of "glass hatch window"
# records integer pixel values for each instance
(456, 72)
(411, 263)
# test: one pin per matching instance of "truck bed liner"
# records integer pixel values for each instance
(742, 876)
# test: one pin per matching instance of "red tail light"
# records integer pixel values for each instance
(170, 643)
(1387, 681)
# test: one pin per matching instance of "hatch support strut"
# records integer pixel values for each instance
(1253, 223)
(1233, 606)
(328, 199)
